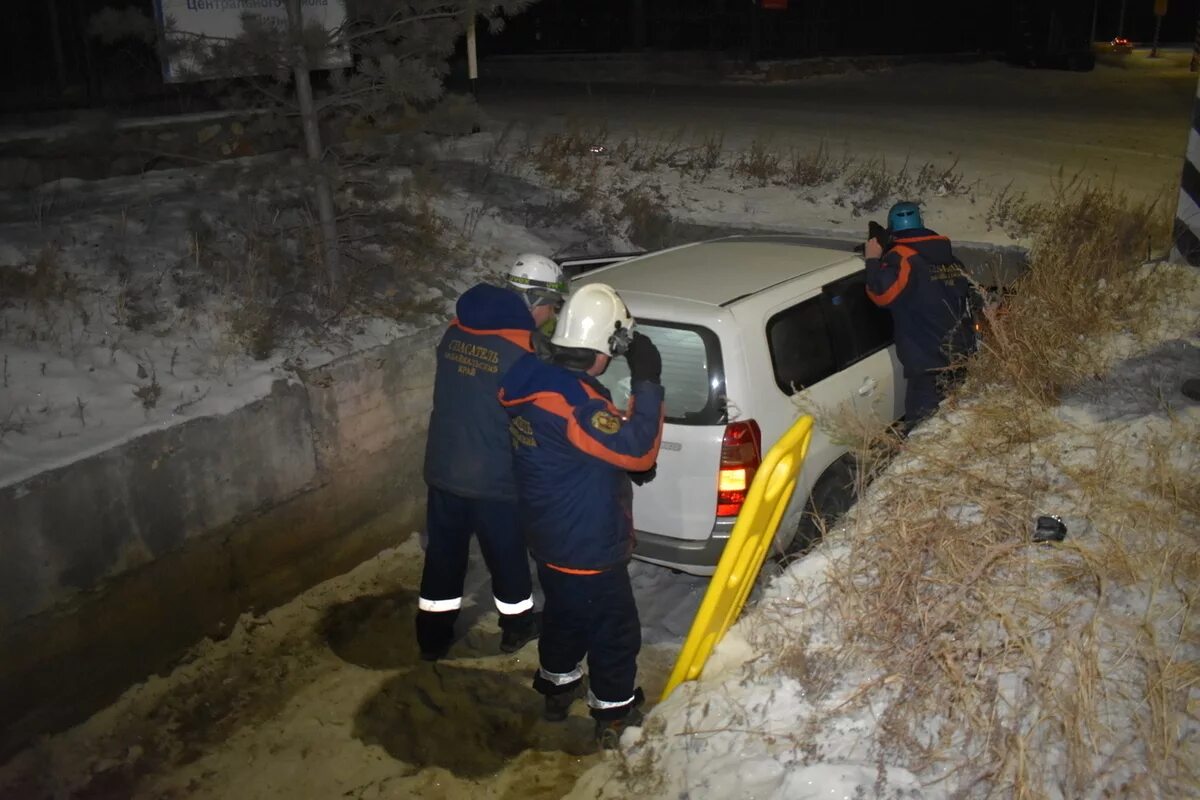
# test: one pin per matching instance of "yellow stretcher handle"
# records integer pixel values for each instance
(770, 492)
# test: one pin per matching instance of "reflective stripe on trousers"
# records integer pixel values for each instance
(453, 604)
(562, 678)
(597, 703)
(509, 609)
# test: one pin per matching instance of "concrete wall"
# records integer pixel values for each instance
(111, 566)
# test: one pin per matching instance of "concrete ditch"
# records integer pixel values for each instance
(113, 565)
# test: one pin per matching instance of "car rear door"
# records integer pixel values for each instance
(681, 503)
(861, 334)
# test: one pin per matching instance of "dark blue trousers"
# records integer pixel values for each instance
(592, 616)
(922, 397)
(450, 521)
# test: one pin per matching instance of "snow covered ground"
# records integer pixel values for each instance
(134, 303)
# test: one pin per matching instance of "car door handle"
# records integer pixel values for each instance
(868, 386)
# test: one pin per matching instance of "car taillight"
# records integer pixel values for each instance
(741, 454)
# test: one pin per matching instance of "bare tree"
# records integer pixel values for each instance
(312, 147)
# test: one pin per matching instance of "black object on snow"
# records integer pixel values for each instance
(1191, 389)
(1049, 529)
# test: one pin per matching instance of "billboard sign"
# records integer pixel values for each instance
(190, 27)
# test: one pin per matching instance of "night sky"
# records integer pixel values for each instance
(97, 75)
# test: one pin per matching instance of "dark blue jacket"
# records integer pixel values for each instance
(574, 451)
(467, 452)
(923, 285)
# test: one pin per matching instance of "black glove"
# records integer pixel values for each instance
(644, 477)
(645, 364)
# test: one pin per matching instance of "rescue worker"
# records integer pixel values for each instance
(468, 462)
(916, 276)
(575, 452)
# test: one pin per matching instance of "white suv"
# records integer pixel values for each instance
(743, 324)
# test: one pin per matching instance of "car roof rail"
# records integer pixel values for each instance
(573, 266)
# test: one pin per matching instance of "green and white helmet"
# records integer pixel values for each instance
(539, 279)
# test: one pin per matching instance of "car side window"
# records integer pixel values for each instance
(858, 326)
(801, 351)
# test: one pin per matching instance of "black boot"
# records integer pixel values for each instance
(559, 705)
(611, 723)
(518, 630)
(435, 633)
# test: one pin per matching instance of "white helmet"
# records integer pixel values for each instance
(595, 318)
(538, 278)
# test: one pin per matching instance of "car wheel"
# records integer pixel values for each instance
(832, 496)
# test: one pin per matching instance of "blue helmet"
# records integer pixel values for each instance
(904, 217)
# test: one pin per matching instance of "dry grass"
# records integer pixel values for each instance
(816, 167)
(1085, 283)
(571, 160)
(1013, 212)
(759, 163)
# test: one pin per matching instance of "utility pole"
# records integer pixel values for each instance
(1121, 20)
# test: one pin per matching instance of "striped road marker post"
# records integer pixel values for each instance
(1186, 234)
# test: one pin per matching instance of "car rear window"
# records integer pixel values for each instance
(801, 351)
(816, 338)
(858, 326)
(692, 374)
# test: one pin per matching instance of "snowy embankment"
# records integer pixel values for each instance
(641, 185)
(929, 649)
(132, 304)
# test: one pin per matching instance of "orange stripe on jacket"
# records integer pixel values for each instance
(592, 393)
(889, 297)
(557, 405)
(572, 571)
(520, 338)
(529, 398)
(911, 240)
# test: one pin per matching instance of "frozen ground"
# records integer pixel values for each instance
(325, 698)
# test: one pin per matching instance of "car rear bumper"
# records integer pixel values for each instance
(696, 556)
